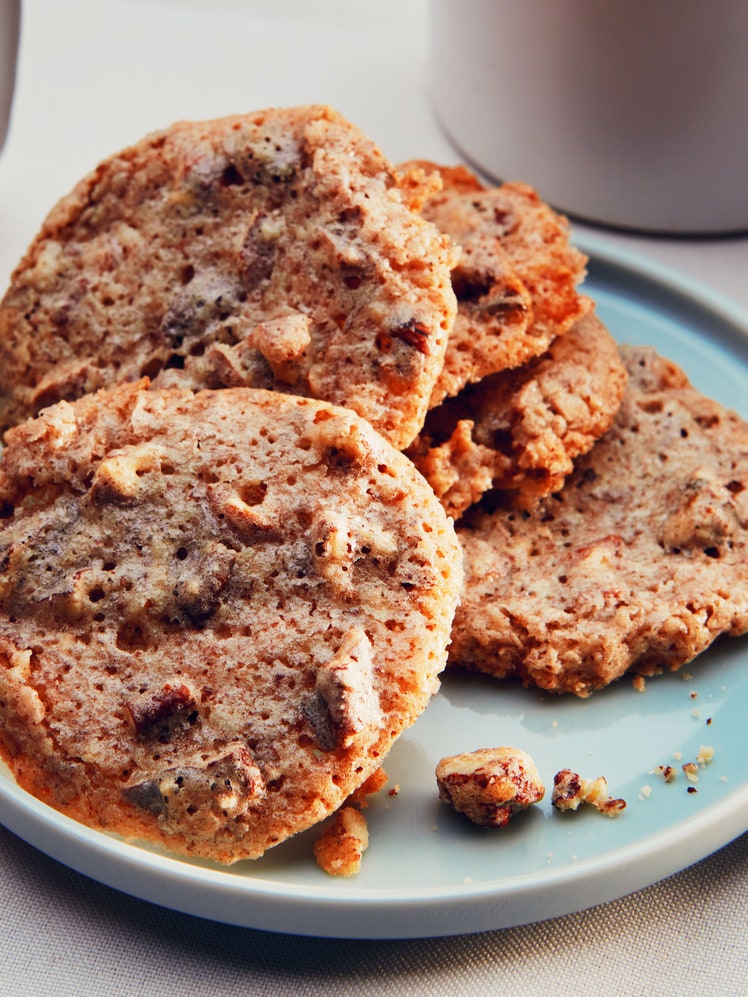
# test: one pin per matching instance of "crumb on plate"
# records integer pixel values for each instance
(570, 790)
(490, 785)
(339, 848)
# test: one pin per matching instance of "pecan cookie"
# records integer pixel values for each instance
(273, 250)
(217, 611)
(516, 278)
(639, 562)
(520, 430)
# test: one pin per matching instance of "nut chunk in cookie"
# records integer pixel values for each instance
(179, 662)
(490, 785)
(277, 249)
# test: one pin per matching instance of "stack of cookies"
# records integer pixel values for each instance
(225, 589)
(273, 409)
(601, 502)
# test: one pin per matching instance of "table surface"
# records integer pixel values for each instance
(93, 76)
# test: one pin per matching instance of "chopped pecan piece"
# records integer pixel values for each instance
(412, 333)
(283, 342)
(119, 477)
(346, 687)
(570, 790)
(339, 849)
(163, 714)
(490, 785)
(199, 585)
(257, 256)
(207, 298)
(705, 516)
(203, 790)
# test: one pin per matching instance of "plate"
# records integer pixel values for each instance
(429, 872)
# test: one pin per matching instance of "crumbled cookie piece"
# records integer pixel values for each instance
(570, 790)
(341, 845)
(705, 755)
(490, 785)
(668, 772)
(521, 430)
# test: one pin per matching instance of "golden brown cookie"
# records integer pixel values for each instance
(639, 562)
(521, 430)
(273, 250)
(516, 279)
(217, 611)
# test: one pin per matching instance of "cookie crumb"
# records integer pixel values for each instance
(341, 845)
(639, 683)
(645, 792)
(691, 770)
(705, 755)
(668, 772)
(570, 790)
(490, 785)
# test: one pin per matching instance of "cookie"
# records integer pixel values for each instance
(516, 280)
(217, 611)
(521, 430)
(639, 562)
(273, 250)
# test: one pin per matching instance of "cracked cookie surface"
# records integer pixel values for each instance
(217, 611)
(521, 430)
(639, 562)
(274, 250)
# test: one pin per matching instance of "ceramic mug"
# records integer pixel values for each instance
(634, 113)
(10, 20)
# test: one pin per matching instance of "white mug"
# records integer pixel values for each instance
(630, 113)
(10, 20)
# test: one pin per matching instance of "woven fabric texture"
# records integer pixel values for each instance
(64, 935)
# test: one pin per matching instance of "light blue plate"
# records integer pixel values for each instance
(429, 872)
